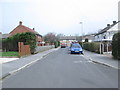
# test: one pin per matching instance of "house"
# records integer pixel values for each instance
(68, 39)
(4, 36)
(88, 37)
(22, 29)
(107, 33)
(105, 36)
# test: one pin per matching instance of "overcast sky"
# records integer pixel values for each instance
(59, 16)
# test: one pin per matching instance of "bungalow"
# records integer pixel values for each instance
(22, 29)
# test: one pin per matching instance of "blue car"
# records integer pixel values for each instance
(76, 48)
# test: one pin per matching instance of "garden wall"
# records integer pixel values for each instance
(24, 49)
(43, 48)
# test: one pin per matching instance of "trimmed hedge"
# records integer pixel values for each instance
(116, 46)
(80, 43)
(11, 43)
(92, 46)
(57, 44)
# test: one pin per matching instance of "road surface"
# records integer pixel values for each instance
(60, 69)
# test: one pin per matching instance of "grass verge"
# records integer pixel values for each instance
(10, 53)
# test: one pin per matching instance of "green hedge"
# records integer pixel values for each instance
(80, 43)
(11, 43)
(57, 44)
(92, 46)
(116, 46)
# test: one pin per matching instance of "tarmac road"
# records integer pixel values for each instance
(60, 69)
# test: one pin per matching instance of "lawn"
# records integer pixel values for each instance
(8, 53)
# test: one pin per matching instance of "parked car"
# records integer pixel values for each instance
(76, 48)
(63, 45)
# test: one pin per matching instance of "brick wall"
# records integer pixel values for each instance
(23, 49)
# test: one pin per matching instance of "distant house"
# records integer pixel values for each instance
(88, 37)
(105, 36)
(68, 39)
(22, 29)
(4, 36)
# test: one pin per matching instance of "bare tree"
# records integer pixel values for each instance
(50, 37)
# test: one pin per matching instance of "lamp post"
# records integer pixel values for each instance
(82, 31)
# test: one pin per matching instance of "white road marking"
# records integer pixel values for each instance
(82, 61)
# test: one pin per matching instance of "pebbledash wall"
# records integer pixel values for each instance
(119, 15)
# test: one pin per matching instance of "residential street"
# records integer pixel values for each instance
(60, 69)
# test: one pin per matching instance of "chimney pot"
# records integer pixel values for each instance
(33, 28)
(108, 25)
(114, 22)
(20, 23)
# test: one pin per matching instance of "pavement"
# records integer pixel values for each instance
(5, 60)
(60, 69)
(15, 65)
(105, 59)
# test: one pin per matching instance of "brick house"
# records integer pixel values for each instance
(22, 29)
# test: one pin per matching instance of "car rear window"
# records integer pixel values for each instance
(76, 46)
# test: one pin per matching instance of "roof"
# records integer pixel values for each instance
(107, 28)
(68, 38)
(21, 29)
(5, 36)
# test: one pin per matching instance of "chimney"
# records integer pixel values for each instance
(20, 23)
(33, 28)
(108, 25)
(114, 22)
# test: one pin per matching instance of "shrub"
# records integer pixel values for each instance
(80, 43)
(11, 43)
(93, 46)
(57, 44)
(116, 46)
(86, 40)
(29, 39)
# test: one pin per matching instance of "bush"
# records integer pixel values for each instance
(116, 46)
(80, 43)
(29, 39)
(93, 47)
(57, 44)
(11, 43)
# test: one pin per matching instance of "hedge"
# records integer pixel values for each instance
(80, 43)
(57, 44)
(116, 46)
(11, 43)
(92, 46)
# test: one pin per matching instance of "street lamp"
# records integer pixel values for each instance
(82, 31)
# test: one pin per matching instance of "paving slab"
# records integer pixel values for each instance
(103, 59)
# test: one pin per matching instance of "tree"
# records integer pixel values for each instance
(50, 37)
(58, 36)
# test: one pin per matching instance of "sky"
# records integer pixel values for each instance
(58, 16)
